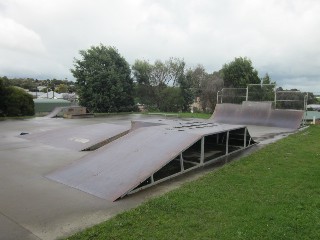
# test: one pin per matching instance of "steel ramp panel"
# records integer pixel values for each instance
(117, 168)
(257, 113)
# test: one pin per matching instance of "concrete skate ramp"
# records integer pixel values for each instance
(115, 169)
(55, 112)
(257, 113)
(80, 137)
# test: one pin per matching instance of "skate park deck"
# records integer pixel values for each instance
(35, 207)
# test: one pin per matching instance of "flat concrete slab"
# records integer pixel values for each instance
(34, 207)
(78, 138)
(11, 230)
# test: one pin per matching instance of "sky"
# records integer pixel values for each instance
(40, 38)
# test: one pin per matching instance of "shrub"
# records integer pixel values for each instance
(17, 102)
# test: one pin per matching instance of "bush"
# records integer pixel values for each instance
(16, 102)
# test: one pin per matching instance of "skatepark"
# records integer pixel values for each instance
(64, 175)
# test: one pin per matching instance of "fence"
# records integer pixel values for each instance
(265, 93)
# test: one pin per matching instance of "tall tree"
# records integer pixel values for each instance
(210, 85)
(267, 79)
(263, 91)
(168, 72)
(154, 81)
(172, 100)
(239, 73)
(144, 92)
(190, 85)
(187, 91)
(141, 70)
(103, 80)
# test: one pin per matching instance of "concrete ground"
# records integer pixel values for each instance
(34, 207)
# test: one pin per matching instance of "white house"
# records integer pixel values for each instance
(51, 95)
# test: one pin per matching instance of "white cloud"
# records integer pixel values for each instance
(17, 37)
(280, 37)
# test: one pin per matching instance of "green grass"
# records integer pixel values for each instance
(272, 194)
(195, 115)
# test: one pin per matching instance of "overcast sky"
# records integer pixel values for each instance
(40, 38)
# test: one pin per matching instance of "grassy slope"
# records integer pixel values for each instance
(195, 115)
(271, 194)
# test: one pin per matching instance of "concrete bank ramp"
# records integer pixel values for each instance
(257, 113)
(55, 112)
(149, 155)
(79, 138)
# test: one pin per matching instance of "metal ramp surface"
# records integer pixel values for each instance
(133, 161)
(257, 113)
(79, 138)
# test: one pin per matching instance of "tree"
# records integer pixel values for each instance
(190, 85)
(267, 80)
(239, 73)
(144, 92)
(172, 100)
(168, 72)
(263, 91)
(187, 91)
(103, 80)
(153, 81)
(203, 85)
(209, 86)
(141, 70)
(62, 88)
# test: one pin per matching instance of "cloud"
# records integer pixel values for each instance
(280, 37)
(16, 37)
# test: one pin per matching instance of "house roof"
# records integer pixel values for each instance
(51, 95)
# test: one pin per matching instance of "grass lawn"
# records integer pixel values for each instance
(195, 115)
(272, 194)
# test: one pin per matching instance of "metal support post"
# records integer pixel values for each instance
(247, 93)
(227, 144)
(245, 138)
(181, 162)
(275, 98)
(202, 151)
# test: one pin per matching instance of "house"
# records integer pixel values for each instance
(51, 95)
